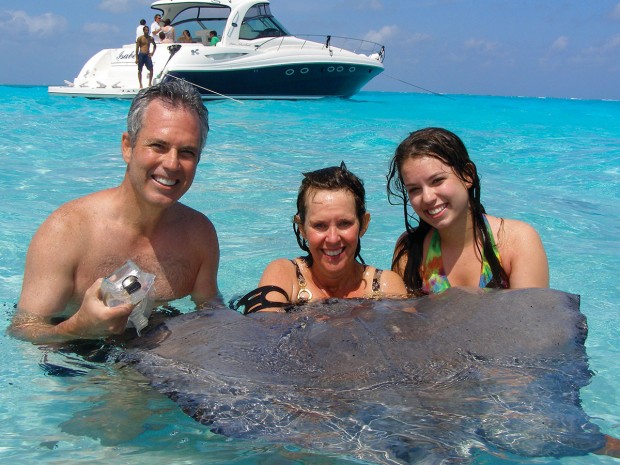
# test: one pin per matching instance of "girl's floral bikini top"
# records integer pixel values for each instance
(434, 277)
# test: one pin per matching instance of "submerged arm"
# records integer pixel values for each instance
(205, 290)
(49, 287)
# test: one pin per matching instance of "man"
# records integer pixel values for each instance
(140, 28)
(156, 28)
(141, 219)
(144, 54)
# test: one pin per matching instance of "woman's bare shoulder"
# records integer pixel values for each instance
(279, 272)
(522, 252)
(281, 264)
(512, 231)
(392, 284)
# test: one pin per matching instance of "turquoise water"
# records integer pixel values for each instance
(554, 163)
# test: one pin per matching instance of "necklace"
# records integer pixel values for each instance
(305, 295)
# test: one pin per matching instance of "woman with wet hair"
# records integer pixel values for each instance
(455, 242)
(330, 221)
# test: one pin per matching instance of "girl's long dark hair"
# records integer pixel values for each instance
(448, 148)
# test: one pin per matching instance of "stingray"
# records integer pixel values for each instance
(424, 380)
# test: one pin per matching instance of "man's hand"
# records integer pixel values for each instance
(92, 321)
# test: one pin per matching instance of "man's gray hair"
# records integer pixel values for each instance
(174, 92)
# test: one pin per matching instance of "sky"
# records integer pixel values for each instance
(533, 48)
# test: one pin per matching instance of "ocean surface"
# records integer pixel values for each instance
(553, 163)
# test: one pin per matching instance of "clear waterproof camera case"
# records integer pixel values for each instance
(129, 284)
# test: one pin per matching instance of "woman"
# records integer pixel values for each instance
(168, 30)
(186, 37)
(330, 221)
(455, 242)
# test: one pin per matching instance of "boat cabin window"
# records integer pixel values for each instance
(259, 22)
(200, 20)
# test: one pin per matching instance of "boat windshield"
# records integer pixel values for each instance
(199, 19)
(259, 22)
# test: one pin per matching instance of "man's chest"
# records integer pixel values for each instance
(175, 273)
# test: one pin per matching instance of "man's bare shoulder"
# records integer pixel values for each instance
(74, 214)
(192, 234)
(191, 218)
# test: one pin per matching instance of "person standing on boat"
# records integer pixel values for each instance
(142, 219)
(156, 28)
(168, 31)
(144, 54)
(140, 28)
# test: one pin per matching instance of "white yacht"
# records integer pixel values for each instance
(255, 58)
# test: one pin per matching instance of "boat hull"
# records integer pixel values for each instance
(297, 81)
(314, 80)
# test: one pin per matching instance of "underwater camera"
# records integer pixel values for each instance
(130, 285)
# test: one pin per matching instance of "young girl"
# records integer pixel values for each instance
(455, 242)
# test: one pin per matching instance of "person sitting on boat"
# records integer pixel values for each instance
(185, 38)
(168, 30)
(156, 28)
(140, 28)
(163, 39)
(213, 38)
(144, 54)
(330, 221)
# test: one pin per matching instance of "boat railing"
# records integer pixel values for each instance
(359, 46)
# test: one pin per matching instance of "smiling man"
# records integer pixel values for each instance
(141, 219)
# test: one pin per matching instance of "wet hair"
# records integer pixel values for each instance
(174, 93)
(449, 149)
(167, 22)
(334, 178)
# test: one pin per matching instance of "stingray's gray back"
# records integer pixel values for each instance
(421, 376)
